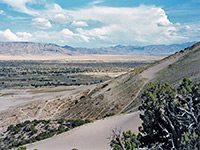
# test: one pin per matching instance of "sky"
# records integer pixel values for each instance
(87, 23)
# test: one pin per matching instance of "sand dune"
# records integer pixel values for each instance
(93, 136)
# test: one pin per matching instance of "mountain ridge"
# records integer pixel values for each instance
(156, 50)
(32, 49)
(123, 93)
(50, 49)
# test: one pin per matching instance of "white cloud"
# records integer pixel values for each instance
(24, 36)
(163, 20)
(7, 35)
(56, 14)
(60, 18)
(41, 23)
(103, 33)
(79, 24)
(67, 32)
(2, 12)
(122, 25)
(20, 6)
(137, 25)
(95, 2)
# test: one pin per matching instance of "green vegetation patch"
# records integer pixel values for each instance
(171, 119)
(52, 74)
(36, 130)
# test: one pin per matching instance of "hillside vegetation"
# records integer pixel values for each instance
(186, 66)
(123, 93)
(170, 119)
(113, 96)
(36, 130)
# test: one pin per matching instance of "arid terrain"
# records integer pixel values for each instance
(31, 89)
(150, 73)
(93, 136)
(99, 75)
(117, 89)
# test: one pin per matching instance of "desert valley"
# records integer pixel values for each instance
(99, 75)
(39, 96)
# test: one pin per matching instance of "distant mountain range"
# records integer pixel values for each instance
(32, 49)
(44, 49)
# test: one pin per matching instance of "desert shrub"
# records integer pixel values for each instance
(31, 131)
(171, 118)
(21, 148)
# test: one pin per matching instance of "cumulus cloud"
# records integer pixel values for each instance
(137, 25)
(8, 35)
(55, 13)
(24, 36)
(2, 12)
(60, 18)
(140, 25)
(62, 37)
(41, 23)
(67, 32)
(103, 33)
(79, 24)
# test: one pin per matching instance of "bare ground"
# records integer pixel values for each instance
(105, 58)
(94, 136)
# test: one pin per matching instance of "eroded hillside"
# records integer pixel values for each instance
(123, 92)
(113, 96)
(187, 66)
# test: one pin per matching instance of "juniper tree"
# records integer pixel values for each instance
(171, 119)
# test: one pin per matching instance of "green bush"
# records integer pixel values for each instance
(15, 134)
(21, 148)
(171, 119)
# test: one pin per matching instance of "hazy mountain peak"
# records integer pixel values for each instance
(51, 49)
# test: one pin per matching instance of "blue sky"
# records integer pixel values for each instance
(86, 23)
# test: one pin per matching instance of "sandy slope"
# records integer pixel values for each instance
(93, 136)
(150, 74)
(11, 98)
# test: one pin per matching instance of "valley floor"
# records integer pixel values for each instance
(86, 58)
(93, 136)
(11, 98)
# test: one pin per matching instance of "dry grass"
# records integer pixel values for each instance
(50, 90)
(7, 94)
